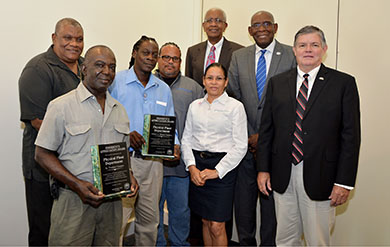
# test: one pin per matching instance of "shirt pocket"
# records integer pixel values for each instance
(120, 131)
(78, 138)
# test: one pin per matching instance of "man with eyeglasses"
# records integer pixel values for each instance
(249, 72)
(215, 49)
(176, 181)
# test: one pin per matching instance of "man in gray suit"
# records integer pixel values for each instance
(244, 68)
(197, 59)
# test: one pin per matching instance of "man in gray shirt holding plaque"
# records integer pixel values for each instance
(73, 123)
(176, 181)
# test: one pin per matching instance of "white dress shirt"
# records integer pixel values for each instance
(311, 79)
(217, 52)
(267, 55)
(217, 127)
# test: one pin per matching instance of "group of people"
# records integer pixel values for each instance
(268, 117)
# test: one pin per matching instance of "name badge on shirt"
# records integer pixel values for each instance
(161, 103)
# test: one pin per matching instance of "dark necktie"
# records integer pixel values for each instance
(261, 74)
(297, 151)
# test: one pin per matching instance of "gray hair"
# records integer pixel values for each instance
(311, 29)
(69, 21)
(223, 13)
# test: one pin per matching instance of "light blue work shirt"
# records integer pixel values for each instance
(155, 98)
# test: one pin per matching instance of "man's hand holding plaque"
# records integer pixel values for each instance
(159, 136)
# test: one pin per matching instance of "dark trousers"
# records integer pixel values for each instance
(39, 203)
(245, 204)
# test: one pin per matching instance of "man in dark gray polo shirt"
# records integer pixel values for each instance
(74, 122)
(45, 77)
(176, 180)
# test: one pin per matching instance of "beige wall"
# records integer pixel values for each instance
(26, 27)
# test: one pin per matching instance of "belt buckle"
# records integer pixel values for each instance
(202, 155)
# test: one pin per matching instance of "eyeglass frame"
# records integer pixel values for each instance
(265, 24)
(216, 20)
(167, 58)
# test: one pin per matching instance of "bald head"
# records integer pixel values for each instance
(98, 69)
(97, 49)
(265, 13)
(263, 28)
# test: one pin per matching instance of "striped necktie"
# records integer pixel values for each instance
(297, 151)
(211, 57)
(261, 74)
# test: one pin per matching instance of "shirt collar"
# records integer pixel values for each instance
(131, 77)
(158, 75)
(221, 99)
(85, 94)
(55, 60)
(270, 48)
(217, 45)
(312, 74)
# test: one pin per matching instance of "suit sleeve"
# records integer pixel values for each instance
(266, 134)
(189, 64)
(350, 136)
(233, 87)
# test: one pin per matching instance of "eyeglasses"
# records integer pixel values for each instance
(216, 20)
(212, 78)
(266, 24)
(166, 58)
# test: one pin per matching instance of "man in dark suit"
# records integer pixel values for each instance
(244, 86)
(198, 55)
(310, 140)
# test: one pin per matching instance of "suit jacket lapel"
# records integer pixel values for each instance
(292, 88)
(224, 56)
(319, 83)
(251, 55)
(202, 54)
(276, 58)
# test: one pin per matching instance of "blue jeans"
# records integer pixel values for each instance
(175, 192)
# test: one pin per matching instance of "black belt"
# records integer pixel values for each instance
(209, 155)
(62, 185)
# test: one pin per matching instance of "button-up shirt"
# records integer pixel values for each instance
(219, 126)
(155, 98)
(74, 122)
(44, 78)
(217, 52)
(267, 55)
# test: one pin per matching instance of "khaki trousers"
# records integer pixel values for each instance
(76, 223)
(297, 214)
(149, 175)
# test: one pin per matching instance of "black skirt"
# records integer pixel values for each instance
(214, 200)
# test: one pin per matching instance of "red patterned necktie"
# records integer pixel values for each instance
(297, 151)
(211, 57)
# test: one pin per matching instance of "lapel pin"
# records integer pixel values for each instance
(321, 78)
(278, 53)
